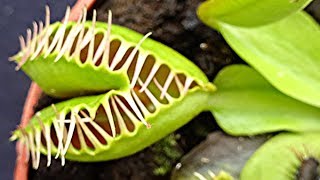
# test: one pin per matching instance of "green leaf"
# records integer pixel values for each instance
(286, 53)
(246, 104)
(281, 156)
(247, 12)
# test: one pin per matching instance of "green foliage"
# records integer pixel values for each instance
(248, 13)
(286, 53)
(246, 104)
(282, 43)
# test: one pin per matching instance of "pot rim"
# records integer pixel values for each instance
(34, 93)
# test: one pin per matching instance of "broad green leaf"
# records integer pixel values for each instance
(286, 53)
(247, 13)
(246, 104)
(281, 157)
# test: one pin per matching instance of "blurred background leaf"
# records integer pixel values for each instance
(246, 104)
(248, 13)
(286, 53)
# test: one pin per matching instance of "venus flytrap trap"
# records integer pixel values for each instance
(59, 51)
(102, 58)
(299, 149)
(140, 82)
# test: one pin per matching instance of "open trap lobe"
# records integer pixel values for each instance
(87, 43)
(118, 115)
(152, 85)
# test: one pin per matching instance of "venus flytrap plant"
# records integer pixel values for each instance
(128, 91)
(142, 83)
(282, 43)
(286, 156)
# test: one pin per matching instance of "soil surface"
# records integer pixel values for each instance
(175, 24)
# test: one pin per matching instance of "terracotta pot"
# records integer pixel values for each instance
(22, 166)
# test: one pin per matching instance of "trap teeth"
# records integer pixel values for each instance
(138, 93)
(13, 137)
(148, 126)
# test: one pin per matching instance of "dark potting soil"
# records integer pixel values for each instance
(175, 24)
